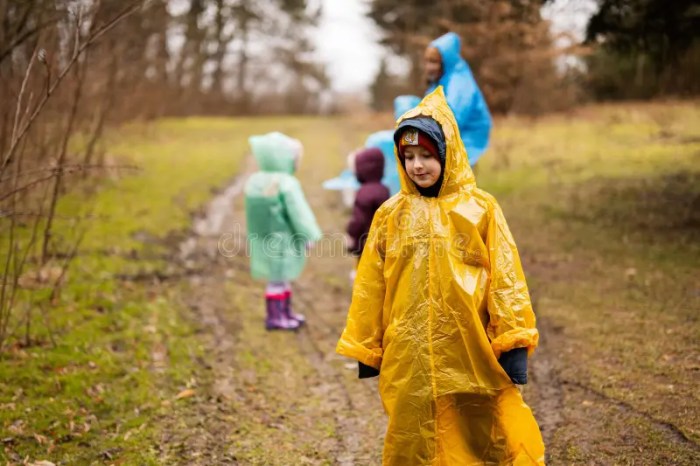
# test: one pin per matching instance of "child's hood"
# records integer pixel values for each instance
(275, 152)
(450, 47)
(458, 173)
(369, 165)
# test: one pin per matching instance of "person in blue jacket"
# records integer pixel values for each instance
(444, 66)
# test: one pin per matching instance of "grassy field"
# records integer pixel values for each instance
(606, 210)
(121, 347)
(160, 356)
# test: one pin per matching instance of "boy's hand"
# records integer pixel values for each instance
(366, 372)
(514, 362)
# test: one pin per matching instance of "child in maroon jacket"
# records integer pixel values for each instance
(369, 170)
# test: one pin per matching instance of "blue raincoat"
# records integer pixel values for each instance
(463, 96)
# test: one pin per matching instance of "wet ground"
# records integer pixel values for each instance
(285, 398)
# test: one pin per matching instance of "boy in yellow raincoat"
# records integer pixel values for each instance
(441, 311)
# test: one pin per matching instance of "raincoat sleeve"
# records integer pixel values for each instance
(300, 214)
(364, 330)
(460, 96)
(511, 318)
(469, 107)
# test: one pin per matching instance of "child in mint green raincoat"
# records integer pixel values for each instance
(280, 224)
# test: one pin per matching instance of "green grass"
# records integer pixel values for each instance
(601, 206)
(604, 208)
(606, 141)
(122, 347)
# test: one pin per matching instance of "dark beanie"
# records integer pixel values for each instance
(429, 133)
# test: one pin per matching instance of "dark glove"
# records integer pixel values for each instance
(366, 372)
(514, 362)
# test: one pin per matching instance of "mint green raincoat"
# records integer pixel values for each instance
(280, 221)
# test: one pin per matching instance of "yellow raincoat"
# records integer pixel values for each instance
(439, 295)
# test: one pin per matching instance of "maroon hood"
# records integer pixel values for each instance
(369, 165)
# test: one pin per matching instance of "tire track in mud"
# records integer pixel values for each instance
(668, 428)
(545, 388)
(576, 417)
(349, 453)
(198, 434)
(324, 292)
(310, 344)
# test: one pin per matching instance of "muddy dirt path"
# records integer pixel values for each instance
(286, 399)
(271, 398)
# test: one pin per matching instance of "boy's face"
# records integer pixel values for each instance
(421, 166)
(432, 64)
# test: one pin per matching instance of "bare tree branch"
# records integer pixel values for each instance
(24, 37)
(22, 88)
(78, 51)
(74, 168)
(55, 172)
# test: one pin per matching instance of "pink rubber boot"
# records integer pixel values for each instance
(277, 316)
(288, 309)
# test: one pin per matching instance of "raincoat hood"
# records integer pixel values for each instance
(404, 103)
(450, 47)
(457, 175)
(275, 152)
(463, 96)
(369, 165)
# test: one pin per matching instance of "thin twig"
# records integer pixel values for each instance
(27, 186)
(47, 323)
(55, 290)
(66, 265)
(74, 168)
(20, 266)
(26, 35)
(5, 304)
(22, 88)
(43, 215)
(68, 133)
(54, 173)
